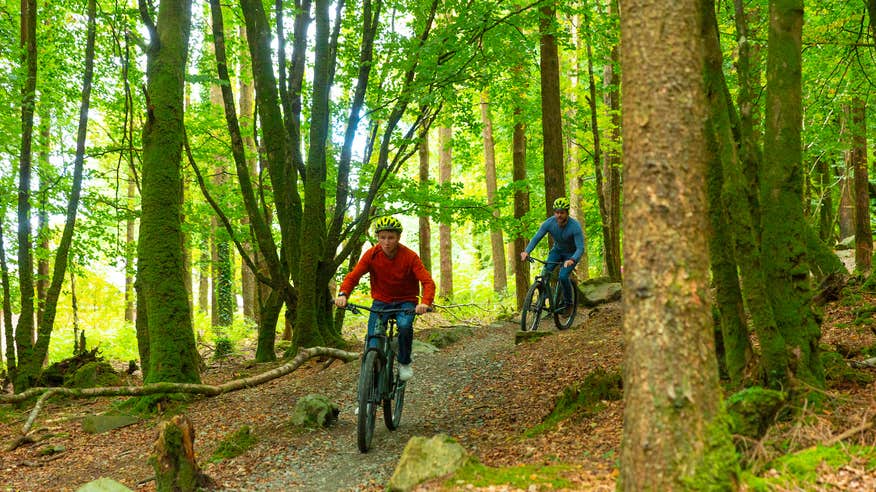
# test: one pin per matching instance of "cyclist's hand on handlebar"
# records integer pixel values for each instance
(341, 301)
(568, 263)
(524, 255)
(422, 308)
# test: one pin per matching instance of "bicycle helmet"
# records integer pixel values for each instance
(561, 203)
(388, 223)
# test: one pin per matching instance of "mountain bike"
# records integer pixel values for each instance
(545, 298)
(379, 384)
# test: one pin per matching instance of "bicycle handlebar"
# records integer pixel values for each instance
(354, 308)
(533, 259)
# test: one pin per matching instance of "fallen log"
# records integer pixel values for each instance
(155, 388)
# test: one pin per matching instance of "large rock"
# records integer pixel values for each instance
(427, 458)
(314, 411)
(599, 291)
(420, 347)
(96, 424)
(103, 484)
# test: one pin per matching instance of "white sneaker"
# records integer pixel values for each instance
(405, 372)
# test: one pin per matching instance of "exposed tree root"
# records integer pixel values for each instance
(150, 389)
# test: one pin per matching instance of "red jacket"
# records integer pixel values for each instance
(392, 280)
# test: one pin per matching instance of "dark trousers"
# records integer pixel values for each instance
(405, 323)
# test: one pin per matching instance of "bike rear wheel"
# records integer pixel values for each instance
(563, 317)
(392, 407)
(533, 305)
(368, 398)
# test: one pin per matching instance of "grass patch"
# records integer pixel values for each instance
(584, 399)
(520, 476)
(800, 471)
(235, 444)
(149, 406)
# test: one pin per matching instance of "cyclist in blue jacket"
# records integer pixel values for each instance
(568, 244)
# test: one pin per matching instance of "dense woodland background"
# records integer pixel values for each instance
(176, 171)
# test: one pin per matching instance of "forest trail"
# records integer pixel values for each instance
(482, 390)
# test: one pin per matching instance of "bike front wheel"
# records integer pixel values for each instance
(368, 396)
(532, 307)
(392, 407)
(563, 317)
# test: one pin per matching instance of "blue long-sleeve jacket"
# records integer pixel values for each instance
(568, 240)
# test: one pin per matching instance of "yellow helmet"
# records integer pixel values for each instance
(561, 203)
(388, 223)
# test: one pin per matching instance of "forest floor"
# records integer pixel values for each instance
(483, 390)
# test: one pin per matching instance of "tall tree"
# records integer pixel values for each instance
(521, 201)
(171, 342)
(551, 109)
(674, 435)
(445, 244)
(500, 281)
(858, 155)
(425, 229)
(781, 195)
(611, 186)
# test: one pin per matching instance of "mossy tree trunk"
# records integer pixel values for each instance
(172, 352)
(781, 194)
(858, 155)
(611, 172)
(445, 245)
(738, 225)
(675, 434)
(425, 229)
(521, 203)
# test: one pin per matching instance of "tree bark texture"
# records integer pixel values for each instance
(445, 244)
(172, 352)
(425, 229)
(551, 115)
(611, 174)
(497, 243)
(858, 155)
(521, 204)
(675, 436)
(130, 251)
(846, 212)
(781, 194)
(574, 155)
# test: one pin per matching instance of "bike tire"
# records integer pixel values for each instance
(392, 407)
(563, 320)
(368, 389)
(533, 305)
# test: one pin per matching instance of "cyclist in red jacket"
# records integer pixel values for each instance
(396, 274)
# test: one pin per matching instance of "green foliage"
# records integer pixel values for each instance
(838, 371)
(542, 477)
(234, 445)
(800, 471)
(583, 399)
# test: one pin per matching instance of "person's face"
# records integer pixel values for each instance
(562, 216)
(388, 242)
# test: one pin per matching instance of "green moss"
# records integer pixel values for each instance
(152, 405)
(752, 410)
(224, 348)
(837, 370)
(543, 477)
(583, 399)
(93, 375)
(800, 471)
(445, 336)
(235, 444)
(718, 467)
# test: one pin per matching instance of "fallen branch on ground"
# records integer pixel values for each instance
(150, 389)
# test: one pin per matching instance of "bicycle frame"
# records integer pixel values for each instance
(551, 294)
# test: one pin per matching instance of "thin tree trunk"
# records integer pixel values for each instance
(130, 249)
(858, 156)
(500, 281)
(445, 164)
(251, 287)
(521, 204)
(551, 115)
(25, 328)
(42, 280)
(425, 225)
(825, 201)
(612, 170)
(675, 436)
(8, 329)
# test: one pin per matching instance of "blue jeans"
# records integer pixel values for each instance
(404, 322)
(565, 283)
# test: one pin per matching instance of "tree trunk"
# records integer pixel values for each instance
(846, 212)
(249, 284)
(8, 330)
(858, 156)
(576, 173)
(425, 226)
(24, 330)
(675, 435)
(42, 280)
(445, 164)
(172, 352)
(551, 116)
(781, 196)
(173, 458)
(825, 201)
(521, 204)
(612, 168)
(130, 251)
(500, 281)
